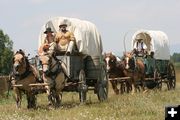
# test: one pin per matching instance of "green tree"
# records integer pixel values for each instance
(6, 53)
(175, 57)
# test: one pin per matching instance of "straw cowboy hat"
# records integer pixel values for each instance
(48, 30)
(65, 23)
(139, 37)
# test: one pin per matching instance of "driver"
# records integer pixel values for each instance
(139, 46)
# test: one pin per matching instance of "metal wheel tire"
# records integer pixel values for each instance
(171, 76)
(82, 86)
(102, 90)
(157, 79)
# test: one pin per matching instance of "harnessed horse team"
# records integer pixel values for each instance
(128, 67)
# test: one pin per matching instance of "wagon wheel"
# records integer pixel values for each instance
(102, 90)
(171, 76)
(157, 79)
(82, 86)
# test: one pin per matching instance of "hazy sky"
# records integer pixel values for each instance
(23, 19)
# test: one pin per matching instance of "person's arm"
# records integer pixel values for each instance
(40, 50)
(135, 45)
(144, 46)
(72, 38)
(56, 39)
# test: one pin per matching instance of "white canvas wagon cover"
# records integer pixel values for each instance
(156, 41)
(88, 39)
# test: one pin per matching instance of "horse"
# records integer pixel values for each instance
(115, 69)
(53, 76)
(23, 74)
(134, 68)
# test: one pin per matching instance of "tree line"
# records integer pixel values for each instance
(6, 53)
(175, 57)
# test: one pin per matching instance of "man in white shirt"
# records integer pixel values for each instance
(139, 46)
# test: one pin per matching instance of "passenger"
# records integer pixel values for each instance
(65, 39)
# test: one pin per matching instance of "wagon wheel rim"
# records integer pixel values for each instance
(157, 78)
(82, 86)
(103, 86)
(171, 76)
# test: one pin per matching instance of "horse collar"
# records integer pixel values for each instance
(24, 75)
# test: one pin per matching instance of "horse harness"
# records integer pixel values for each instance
(133, 65)
(23, 75)
(54, 74)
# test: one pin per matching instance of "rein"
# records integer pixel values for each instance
(55, 73)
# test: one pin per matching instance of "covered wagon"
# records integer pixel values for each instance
(157, 59)
(85, 67)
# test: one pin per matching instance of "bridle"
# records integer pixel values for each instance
(21, 63)
(51, 66)
(110, 61)
(129, 63)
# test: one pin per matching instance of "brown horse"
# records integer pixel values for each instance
(115, 69)
(135, 69)
(53, 76)
(23, 74)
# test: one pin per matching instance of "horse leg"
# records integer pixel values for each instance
(123, 86)
(114, 86)
(49, 95)
(58, 100)
(144, 88)
(48, 89)
(59, 85)
(18, 97)
(31, 100)
(52, 95)
(133, 86)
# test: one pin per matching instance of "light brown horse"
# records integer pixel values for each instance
(134, 68)
(115, 69)
(23, 75)
(54, 77)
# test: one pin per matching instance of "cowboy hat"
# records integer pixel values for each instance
(64, 22)
(63, 25)
(139, 37)
(48, 30)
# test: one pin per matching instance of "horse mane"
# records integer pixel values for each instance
(20, 51)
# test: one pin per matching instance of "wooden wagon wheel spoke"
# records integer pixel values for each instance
(82, 86)
(171, 76)
(157, 79)
(103, 86)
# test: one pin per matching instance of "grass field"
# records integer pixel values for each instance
(148, 106)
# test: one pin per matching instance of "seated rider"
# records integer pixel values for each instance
(65, 39)
(48, 43)
(47, 46)
(139, 46)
